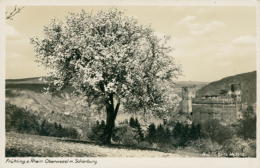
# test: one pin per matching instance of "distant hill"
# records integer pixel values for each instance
(248, 86)
(27, 92)
(178, 86)
(35, 80)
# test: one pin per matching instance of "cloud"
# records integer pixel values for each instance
(244, 40)
(209, 27)
(11, 32)
(186, 20)
(198, 29)
(14, 36)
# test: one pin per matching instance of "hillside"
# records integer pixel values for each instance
(248, 86)
(27, 92)
(31, 96)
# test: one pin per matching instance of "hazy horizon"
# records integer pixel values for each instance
(210, 42)
(177, 80)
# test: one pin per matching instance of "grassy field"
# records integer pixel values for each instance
(24, 145)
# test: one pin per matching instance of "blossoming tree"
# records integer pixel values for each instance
(110, 60)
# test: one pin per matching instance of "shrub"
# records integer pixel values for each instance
(247, 126)
(166, 147)
(239, 147)
(144, 144)
(125, 135)
(216, 132)
(252, 151)
(97, 132)
(204, 146)
(20, 120)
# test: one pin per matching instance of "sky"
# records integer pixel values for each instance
(210, 42)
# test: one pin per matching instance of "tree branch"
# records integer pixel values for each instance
(13, 13)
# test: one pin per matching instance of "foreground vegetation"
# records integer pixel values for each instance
(24, 121)
(207, 139)
(23, 145)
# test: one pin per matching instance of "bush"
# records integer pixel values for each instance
(97, 132)
(20, 120)
(166, 147)
(216, 132)
(238, 147)
(252, 152)
(144, 144)
(204, 146)
(125, 135)
(247, 127)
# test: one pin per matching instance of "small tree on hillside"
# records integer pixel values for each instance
(177, 130)
(199, 130)
(152, 133)
(110, 60)
(132, 122)
(139, 129)
(160, 133)
(193, 132)
(167, 136)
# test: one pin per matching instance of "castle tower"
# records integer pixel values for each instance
(236, 95)
(236, 92)
(188, 93)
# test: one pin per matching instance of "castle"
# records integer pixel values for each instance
(225, 106)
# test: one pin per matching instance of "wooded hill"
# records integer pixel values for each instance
(248, 86)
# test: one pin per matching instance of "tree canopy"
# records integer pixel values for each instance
(108, 57)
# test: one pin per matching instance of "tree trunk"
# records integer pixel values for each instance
(111, 116)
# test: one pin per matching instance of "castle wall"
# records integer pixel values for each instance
(204, 112)
(213, 101)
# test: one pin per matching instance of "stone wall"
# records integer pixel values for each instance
(226, 113)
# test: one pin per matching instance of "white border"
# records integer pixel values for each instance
(129, 162)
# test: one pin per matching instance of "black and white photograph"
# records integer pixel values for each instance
(83, 83)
